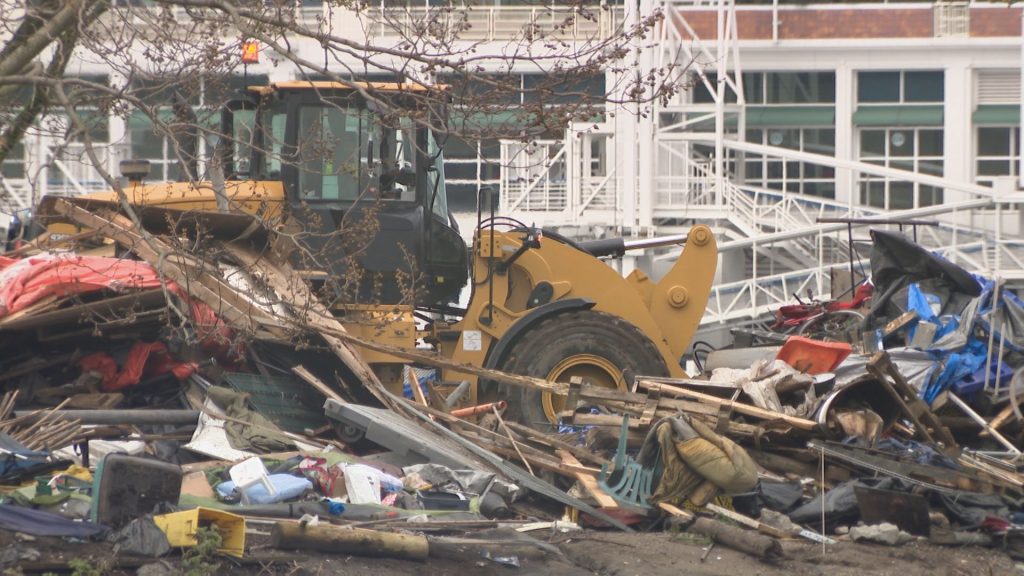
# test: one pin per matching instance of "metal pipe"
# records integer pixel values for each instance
(644, 243)
(983, 423)
(118, 417)
(479, 409)
(828, 220)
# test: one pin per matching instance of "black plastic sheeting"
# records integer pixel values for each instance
(896, 258)
(896, 262)
(840, 503)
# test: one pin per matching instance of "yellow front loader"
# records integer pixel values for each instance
(316, 159)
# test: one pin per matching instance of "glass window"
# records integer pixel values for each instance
(435, 183)
(901, 195)
(994, 141)
(911, 149)
(901, 143)
(930, 167)
(820, 141)
(993, 167)
(930, 195)
(878, 87)
(753, 87)
(14, 165)
(331, 148)
(149, 141)
(800, 87)
(702, 95)
(792, 176)
(998, 153)
(930, 142)
(923, 86)
(872, 143)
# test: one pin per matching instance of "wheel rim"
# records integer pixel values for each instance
(594, 370)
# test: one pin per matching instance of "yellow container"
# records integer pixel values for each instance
(181, 528)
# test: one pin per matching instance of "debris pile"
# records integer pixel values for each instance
(162, 398)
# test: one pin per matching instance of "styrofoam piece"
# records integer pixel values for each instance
(210, 438)
(363, 485)
(100, 448)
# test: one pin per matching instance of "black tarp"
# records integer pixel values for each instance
(896, 262)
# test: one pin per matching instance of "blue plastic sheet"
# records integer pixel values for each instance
(926, 305)
(287, 486)
(955, 366)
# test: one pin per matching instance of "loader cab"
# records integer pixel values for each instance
(363, 178)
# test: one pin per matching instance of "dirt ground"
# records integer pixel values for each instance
(591, 552)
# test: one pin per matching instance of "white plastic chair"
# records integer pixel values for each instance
(247, 474)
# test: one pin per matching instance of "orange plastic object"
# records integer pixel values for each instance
(813, 356)
(479, 409)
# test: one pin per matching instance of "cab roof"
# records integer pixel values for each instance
(318, 85)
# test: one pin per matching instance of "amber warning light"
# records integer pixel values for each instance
(250, 52)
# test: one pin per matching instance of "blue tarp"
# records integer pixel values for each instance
(39, 523)
(960, 346)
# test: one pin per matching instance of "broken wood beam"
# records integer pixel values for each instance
(903, 394)
(683, 515)
(1001, 418)
(746, 409)
(746, 521)
(313, 315)
(317, 383)
(587, 481)
(547, 439)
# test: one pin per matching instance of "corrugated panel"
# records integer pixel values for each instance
(286, 401)
(998, 87)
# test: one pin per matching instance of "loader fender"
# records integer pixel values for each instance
(502, 346)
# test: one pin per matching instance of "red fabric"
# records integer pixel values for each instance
(101, 363)
(28, 280)
(25, 281)
(145, 360)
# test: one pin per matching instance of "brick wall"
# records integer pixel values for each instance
(863, 23)
(995, 22)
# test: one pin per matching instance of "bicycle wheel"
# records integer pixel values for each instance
(832, 326)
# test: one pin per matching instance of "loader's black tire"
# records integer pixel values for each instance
(604, 349)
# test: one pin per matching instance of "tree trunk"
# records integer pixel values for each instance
(356, 541)
(737, 538)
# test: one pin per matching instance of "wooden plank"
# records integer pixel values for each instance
(747, 409)
(587, 481)
(317, 383)
(881, 367)
(508, 433)
(540, 437)
(1001, 418)
(747, 521)
(414, 385)
(677, 512)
